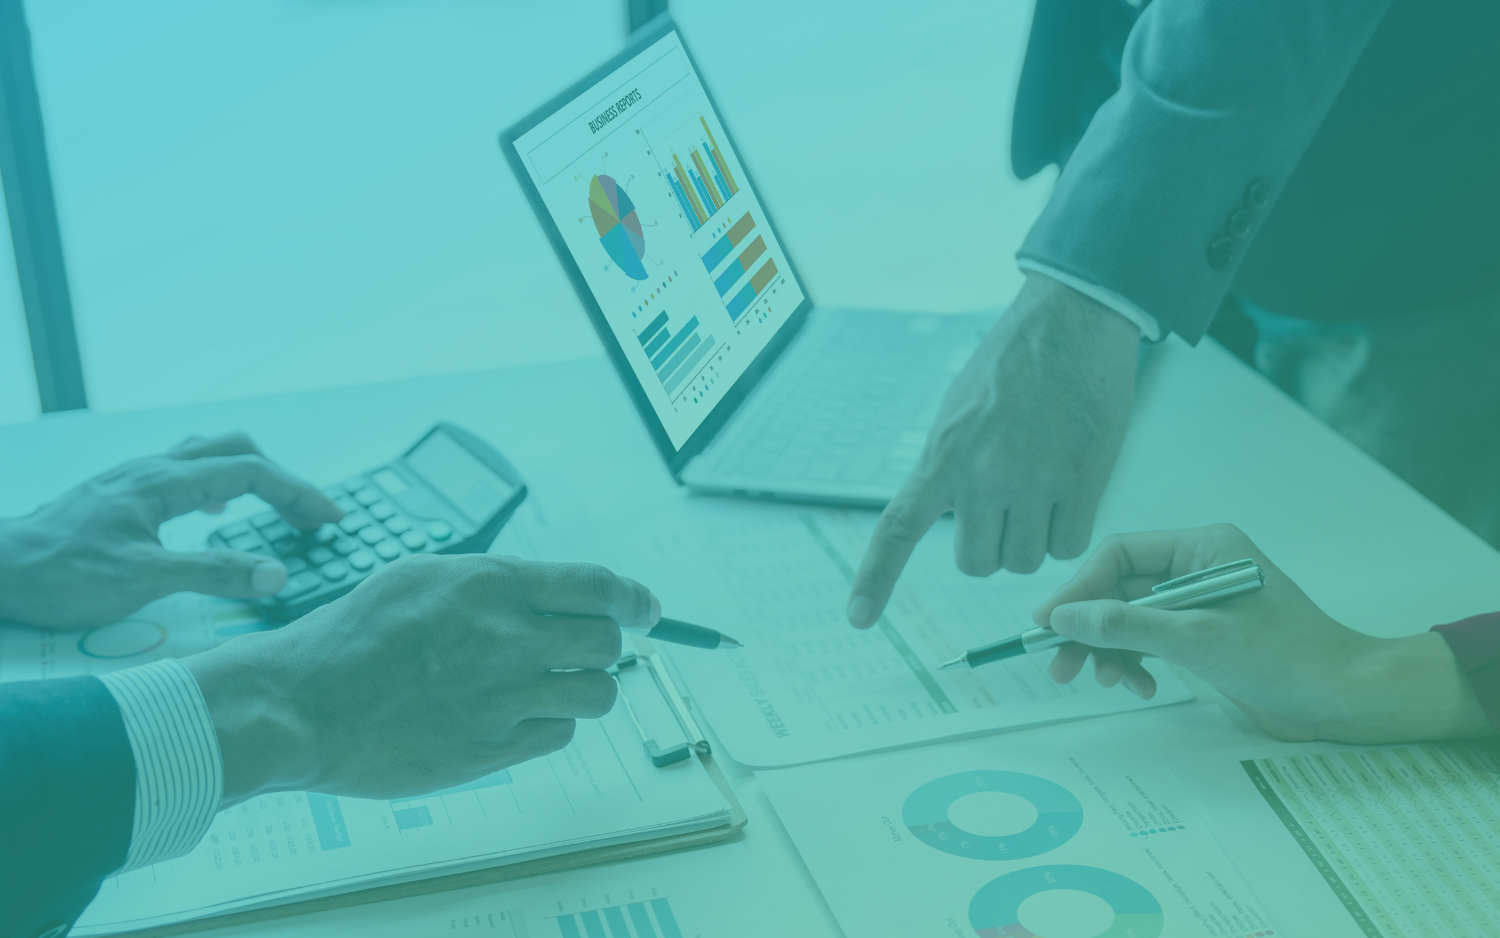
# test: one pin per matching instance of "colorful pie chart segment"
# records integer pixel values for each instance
(1058, 815)
(995, 911)
(618, 226)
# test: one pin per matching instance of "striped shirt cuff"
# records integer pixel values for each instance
(179, 773)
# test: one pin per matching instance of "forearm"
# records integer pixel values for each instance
(1402, 690)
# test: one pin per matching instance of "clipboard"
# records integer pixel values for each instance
(652, 730)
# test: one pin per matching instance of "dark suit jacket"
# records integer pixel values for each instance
(67, 781)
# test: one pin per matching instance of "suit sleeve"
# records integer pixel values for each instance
(1178, 169)
(67, 781)
(1476, 646)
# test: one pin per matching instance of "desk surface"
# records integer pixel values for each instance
(1211, 441)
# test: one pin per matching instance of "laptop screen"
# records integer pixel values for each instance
(652, 203)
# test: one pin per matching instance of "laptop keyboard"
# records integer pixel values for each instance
(855, 401)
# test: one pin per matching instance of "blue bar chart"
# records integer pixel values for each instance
(411, 814)
(653, 919)
(674, 356)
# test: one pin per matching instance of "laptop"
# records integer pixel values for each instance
(745, 386)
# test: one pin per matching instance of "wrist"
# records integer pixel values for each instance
(265, 742)
(1404, 689)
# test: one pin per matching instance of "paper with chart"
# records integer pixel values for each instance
(1075, 833)
(807, 686)
(601, 789)
(1367, 843)
(707, 893)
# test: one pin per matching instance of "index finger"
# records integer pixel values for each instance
(585, 589)
(185, 485)
(901, 525)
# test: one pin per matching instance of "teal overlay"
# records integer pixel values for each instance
(995, 910)
(328, 820)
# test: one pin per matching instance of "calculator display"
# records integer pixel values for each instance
(459, 476)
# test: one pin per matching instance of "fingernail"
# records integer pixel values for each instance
(861, 612)
(1064, 619)
(268, 578)
(1133, 684)
(654, 616)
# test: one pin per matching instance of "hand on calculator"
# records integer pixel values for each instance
(92, 556)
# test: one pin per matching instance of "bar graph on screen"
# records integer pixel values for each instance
(699, 175)
(726, 280)
(674, 356)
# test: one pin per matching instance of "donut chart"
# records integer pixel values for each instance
(618, 225)
(1058, 815)
(124, 639)
(995, 911)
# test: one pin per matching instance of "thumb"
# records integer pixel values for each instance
(230, 573)
(1109, 623)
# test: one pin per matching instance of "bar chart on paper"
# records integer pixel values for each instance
(674, 354)
(650, 919)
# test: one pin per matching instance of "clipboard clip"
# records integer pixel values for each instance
(659, 756)
(1220, 570)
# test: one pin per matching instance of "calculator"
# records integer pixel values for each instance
(451, 493)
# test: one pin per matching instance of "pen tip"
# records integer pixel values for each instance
(950, 665)
(726, 642)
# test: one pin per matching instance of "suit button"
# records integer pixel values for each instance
(1220, 250)
(1239, 223)
(1258, 195)
(56, 930)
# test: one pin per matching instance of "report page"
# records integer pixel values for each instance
(656, 209)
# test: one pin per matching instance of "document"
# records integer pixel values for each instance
(712, 892)
(1081, 831)
(1361, 843)
(807, 686)
(602, 789)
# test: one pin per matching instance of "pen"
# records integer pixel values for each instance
(679, 632)
(1185, 592)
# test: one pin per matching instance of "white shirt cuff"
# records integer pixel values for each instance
(179, 773)
(1150, 328)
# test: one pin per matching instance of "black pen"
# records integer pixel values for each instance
(679, 632)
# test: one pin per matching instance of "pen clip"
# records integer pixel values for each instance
(1220, 570)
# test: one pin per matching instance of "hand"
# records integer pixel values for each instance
(431, 673)
(93, 556)
(1298, 673)
(1022, 447)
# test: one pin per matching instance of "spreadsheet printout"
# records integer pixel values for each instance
(807, 685)
(1376, 842)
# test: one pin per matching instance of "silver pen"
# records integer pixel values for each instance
(1185, 592)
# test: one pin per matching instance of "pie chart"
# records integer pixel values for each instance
(619, 227)
(1058, 815)
(995, 911)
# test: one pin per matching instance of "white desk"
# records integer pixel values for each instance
(1211, 441)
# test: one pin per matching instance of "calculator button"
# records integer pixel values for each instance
(374, 534)
(361, 560)
(335, 570)
(245, 542)
(387, 550)
(231, 531)
(334, 491)
(345, 545)
(294, 564)
(354, 484)
(381, 511)
(298, 584)
(397, 525)
(286, 546)
(277, 531)
(326, 534)
(367, 497)
(354, 521)
(345, 503)
(319, 555)
(413, 540)
(264, 518)
(439, 531)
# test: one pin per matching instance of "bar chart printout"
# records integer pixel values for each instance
(674, 356)
(652, 918)
(706, 184)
